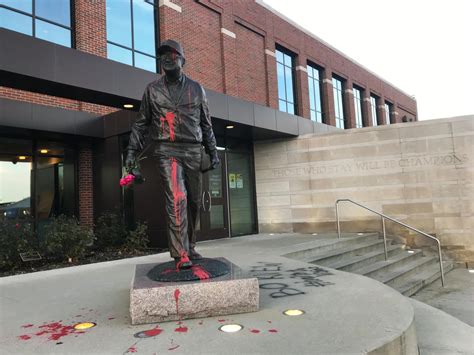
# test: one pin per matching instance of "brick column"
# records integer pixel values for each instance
(229, 55)
(381, 110)
(394, 115)
(366, 111)
(349, 108)
(327, 96)
(85, 187)
(272, 81)
(90, 30)
(302, 87)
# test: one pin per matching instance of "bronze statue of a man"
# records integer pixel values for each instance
(174, 111)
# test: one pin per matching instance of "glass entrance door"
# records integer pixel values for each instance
(214, 220)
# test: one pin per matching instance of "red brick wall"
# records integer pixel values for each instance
(47, 100)
(251, 78)
(90, 32)
(197, 27)
(85, 186)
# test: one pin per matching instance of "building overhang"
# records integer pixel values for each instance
(35, 65)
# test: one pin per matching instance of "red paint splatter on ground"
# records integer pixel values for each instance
(200, 273)
(256, 331)
(27, 326)
(153, 332)
(273, 331)
(176, 298)
(178, 195)
(221, 320)
(41, 333)
(181, 329)
(132, 349)
(24, 337)
(174, 347)
(54, 331)
(170, 120)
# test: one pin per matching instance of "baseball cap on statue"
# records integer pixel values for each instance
(169, 43)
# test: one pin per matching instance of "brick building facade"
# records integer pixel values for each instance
(77, 94)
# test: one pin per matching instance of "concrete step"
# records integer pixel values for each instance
(340, 254)
(382, 267)
(307, 253)
(422, 279)
(367, 259)
(402, 273)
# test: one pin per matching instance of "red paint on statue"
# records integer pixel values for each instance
(178, 195)
(153, 332)
(169, 119)
(200, 273)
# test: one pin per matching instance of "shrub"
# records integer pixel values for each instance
(65, 238)
(137, 239)
(110, 230)
(15, 237)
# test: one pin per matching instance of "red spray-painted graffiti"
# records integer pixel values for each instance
(170, 120)
(178, 195)
(200, 273)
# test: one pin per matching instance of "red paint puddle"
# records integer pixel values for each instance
(256, 331)
(153, 332)
(200, 273)
(178, 195)
(273, 331)
(174, 347)
(176, 298)
(181, 330)
(27, 326)
(24, 337)
(170, 120)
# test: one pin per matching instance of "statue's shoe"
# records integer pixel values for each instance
(183, 262)
(194, 255)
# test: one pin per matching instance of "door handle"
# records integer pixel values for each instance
(204, 200)
(210, 202)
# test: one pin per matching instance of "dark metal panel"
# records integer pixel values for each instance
(15, 114)
(305, 126)
(53, 119)
(88, 126)
(240, 111)
(286, 123)
(218, 105)
(265, 117)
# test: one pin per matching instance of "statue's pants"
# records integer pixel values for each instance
(179, 165)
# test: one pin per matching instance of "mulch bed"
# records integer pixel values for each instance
(91, 258)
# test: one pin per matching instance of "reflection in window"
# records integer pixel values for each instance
(131, 33)
(338, 103)
(388, 111)
(49, 20)
(314, 87)
(358, 107)
(373, 108)
(286, 97)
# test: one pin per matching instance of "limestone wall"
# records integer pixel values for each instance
(420, 173)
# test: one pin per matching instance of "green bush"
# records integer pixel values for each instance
(137, 239)
(15, 237)
(110, 230)
(65, 238)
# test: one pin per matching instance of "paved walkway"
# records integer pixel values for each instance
(345, 313)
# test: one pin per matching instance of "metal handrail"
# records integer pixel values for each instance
(384, 234)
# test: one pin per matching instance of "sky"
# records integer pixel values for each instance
(423, 47)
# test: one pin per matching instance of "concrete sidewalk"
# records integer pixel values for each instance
(345, 313)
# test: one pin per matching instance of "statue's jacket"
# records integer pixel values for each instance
(182, 117)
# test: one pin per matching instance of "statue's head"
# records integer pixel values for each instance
(171, 55)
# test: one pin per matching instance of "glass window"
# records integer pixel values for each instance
(373, 109)
(131, 33)
(49, 20)
(388, 111)
(285, 70)
(338, 102)
(314, 86)
(358, 107)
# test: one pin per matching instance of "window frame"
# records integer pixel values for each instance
(358, 102)
(338, 106)
(388, 112)
(132, 32)
(320, 70)
(373, 110)
(34, 17)
(292, 55)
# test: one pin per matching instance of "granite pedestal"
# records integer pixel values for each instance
(160, 301)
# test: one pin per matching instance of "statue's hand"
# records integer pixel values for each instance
(130, 160)
(139, 179)
(214, 159)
